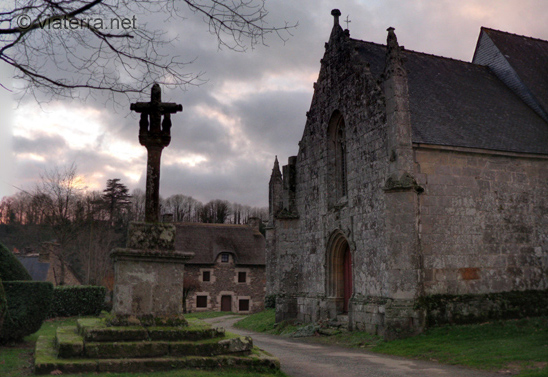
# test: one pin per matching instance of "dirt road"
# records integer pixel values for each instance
(301, 359)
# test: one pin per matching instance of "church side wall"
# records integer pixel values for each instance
(483, 222)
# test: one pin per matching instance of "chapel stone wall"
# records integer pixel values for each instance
(483, 221)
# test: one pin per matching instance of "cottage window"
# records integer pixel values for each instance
(242, 277)
(224, 257)
(244, 305)
(206, 276)
(201, 301)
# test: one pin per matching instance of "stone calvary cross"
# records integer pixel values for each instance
(155, 136)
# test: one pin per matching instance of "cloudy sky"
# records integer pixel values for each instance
(251, 108)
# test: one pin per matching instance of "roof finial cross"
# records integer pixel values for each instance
(347, 21)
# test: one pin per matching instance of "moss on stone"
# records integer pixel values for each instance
(108, 350)
(69, 343)
(158, 333)
(146, 320)
(155, 236)
(465, 309)
(46, 362)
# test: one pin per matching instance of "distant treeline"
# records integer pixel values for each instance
(87, 225)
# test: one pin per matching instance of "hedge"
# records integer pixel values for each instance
(28, 305)
(10, 267)
(69, 301)
(270, 302)
(3, 305)
(463, 309)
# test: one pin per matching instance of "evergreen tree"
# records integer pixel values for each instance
(116, 197)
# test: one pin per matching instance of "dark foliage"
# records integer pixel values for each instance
(71, 301)
(463, 309)
(3, 305)
(28, 304)
(270, 302)
(10, 267)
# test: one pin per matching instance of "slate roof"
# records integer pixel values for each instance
(529, 58)
(37, 270)
(207, 241)
(455, 103)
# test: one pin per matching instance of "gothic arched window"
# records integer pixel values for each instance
(337, 159)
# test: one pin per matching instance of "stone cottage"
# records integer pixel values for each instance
(46, 266)
(228, 266)
(416, 175)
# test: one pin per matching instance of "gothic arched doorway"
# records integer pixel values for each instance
(339, 271)
(347, 277)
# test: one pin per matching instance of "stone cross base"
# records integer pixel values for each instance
(148, 279)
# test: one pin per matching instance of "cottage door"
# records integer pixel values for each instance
(226, 303)
(347, 275)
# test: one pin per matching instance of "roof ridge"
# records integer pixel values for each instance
(405, 50)
(218, 225)
(514, 34)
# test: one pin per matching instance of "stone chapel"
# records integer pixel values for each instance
(417, 176)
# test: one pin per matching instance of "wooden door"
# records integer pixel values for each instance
(347, 276)
(226, 303)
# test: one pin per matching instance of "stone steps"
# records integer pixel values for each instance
(47, 362)
(70, 344)
(92, 346)
(340, 322)
(95, 330)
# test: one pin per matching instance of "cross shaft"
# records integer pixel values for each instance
(154, 135)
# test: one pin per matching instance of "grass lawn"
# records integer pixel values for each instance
(16, 359)
(264, 322)
(513, 345)
(204, 315)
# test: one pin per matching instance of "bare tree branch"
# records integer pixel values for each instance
(64, 48)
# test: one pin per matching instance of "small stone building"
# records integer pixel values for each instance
(417, 175)
(228, 265)
(46, 266)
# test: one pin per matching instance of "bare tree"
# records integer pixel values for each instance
(56, 46)
(181, 206)
(215, 211)
(58, 193)
(137, 207)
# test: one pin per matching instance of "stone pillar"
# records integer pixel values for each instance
(148, 277)
(403, 265)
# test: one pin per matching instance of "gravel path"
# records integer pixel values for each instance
(301, 359)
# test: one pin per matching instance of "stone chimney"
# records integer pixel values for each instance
(254, 222)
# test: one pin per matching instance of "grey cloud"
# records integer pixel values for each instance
(42, 144)
(271, 122)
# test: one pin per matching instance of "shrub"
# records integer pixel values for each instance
(10, 267)
(270, 302)
(76, 300)
(28, 304)
(464, 309)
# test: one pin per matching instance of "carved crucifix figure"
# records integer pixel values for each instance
(154, 135)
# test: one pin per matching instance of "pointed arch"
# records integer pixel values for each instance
(337, 158)
(339, 271)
